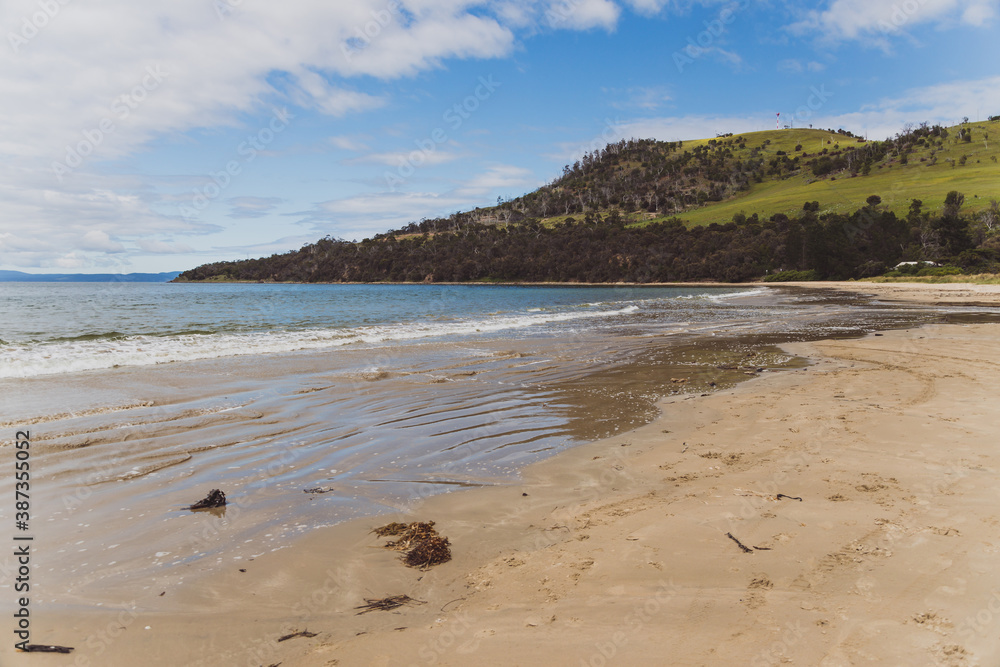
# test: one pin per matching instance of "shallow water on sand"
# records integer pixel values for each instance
(303, 439)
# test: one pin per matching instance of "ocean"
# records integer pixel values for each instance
(67, 327)
(309, 405)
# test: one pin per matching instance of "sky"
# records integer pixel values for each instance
(149, 137)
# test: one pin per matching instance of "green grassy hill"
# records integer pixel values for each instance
(931, 172)
(707, 181)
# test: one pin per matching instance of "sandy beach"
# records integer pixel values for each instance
(840, 514)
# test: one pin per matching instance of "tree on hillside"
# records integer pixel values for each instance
(950, 229)
(986, 226)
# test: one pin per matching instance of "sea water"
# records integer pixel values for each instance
(313, 404)
(51, 328)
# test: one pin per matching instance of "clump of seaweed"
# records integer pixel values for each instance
(432, 551)
(394, 528)
(420, 542)
(215, 498)
(416, 532)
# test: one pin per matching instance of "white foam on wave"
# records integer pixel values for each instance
(715, 296)
(756, 291)
(67, 357)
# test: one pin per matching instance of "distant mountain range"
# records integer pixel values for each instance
(21, 277)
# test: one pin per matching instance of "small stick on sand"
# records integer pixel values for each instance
(386, 604)
(46, 648)
(300, 633)
(746, 549)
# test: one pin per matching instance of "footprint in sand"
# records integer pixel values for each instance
(756, 589)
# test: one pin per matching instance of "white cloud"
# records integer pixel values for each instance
(73, 98)
(793, 66)
(349, 143)
(415, 157)
(510, 178)
(979, 14)
(790, 66)
(514, 14)
(283, 244)
(365, 215)
(45, 223)
(252, 207)
(68, 261)
(647, 7)
(693, 127)
(639, 97)
(582, 14)
(313, 91)
(99, 241)
(722, 55)
(164, 248)
(874, 21)
(943, 103)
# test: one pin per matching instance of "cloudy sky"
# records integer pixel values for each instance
(141, 136)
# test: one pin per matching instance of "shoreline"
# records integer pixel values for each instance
(583, 565)
(844, 285)
(913, 292)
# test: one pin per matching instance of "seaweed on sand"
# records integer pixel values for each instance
(394, 528)
(432, 551)
(215, 498)
(386, 604)
(420, 542)
(416, 532)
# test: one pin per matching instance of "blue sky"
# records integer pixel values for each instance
(157, 138)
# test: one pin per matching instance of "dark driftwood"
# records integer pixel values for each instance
(46, 648)
(215, 498)
(745, 548)
(300, 633)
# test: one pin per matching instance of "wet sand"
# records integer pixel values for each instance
(617, 551)
(942, 294)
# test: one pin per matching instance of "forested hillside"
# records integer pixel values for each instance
(624, 213)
